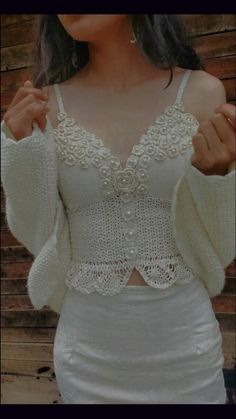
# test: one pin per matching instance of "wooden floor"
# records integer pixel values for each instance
(27, 368)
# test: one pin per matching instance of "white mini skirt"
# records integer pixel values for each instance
(144, 345)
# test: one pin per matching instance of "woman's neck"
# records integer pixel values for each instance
(117, 65)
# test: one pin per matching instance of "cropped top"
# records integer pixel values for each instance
(119, 214)
(88, 220)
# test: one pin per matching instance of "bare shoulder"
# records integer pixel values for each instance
(206, 93)
(206, 83)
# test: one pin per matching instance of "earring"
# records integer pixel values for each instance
(134, 39)
(74, 58)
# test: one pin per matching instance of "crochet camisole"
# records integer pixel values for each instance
(120, 214)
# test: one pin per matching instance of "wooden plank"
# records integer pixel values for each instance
(7, 239)
(230, 85)
(7, 20)
(11, 81)
(199, 23)
(230, 286)
(16, 57)
(28, 334)
(221, 67)
(15, 254)
(13, 286)
(27, 351)
(228, 342)
(228, 346)
(29, 390)
(231, 269)
(29, 318)
(205, 24)
(226, 322)
(229, 360)
(15, 270)
(18, 33)
(16, 302)
(224, 304)
(27, 368)
(216, 45)
(3, 217)
(3, 202)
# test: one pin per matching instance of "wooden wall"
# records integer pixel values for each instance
(27, 334)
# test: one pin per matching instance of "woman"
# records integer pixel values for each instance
(136, 322)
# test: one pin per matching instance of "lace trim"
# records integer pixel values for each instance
(108, 279)
(170, 136)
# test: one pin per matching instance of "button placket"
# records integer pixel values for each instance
(130, 233)
(130, 227)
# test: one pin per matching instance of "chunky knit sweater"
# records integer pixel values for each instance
(56, 218)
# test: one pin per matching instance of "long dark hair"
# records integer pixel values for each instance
(163, 39)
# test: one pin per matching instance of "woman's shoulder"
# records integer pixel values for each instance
(207, 92)
(206, 82)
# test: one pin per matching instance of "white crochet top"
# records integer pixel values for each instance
(119, 214)
(88, 221)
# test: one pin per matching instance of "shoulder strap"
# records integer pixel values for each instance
(183, 83)
(59, 97)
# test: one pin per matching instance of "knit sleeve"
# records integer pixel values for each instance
(35, 212)
(203, 217)
(28, 174)
(214, 197)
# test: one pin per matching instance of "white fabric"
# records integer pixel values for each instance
(50, 207)
(121, 219)
(144, 345)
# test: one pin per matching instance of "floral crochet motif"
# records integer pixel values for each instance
(170, 135)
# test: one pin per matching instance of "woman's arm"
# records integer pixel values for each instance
(203, 208)
(34, 210)
(29, 179)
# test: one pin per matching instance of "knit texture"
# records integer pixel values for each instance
(34, 210)
(203, 220)
(202, 217)
(119, 215)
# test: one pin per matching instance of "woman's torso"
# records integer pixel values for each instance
(122, 121)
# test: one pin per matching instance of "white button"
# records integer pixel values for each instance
(131, 252)
(130, 233)
(128, 214)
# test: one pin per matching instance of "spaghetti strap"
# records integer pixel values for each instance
(59, 97)
(183, 83)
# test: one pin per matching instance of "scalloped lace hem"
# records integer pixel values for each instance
(110, 279)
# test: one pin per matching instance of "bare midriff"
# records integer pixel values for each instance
(136, 278)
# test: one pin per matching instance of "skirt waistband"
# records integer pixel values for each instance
(142, 293)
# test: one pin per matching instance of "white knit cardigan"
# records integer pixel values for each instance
(202, 213)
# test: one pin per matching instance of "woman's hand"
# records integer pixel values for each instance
(29, 104)
(214, 142)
